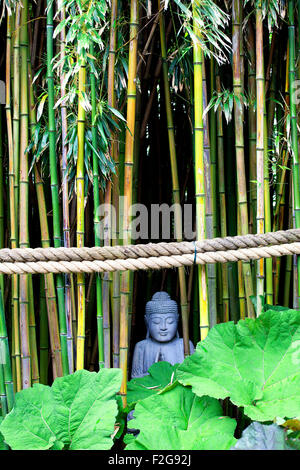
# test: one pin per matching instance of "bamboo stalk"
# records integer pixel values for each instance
(293, 120)
(252, 126)
(209, 208)
(16, 112)
(45, 241)
(97, 221)
(128, 170)
(175, 183)
(80, 214)
(23, 203)
(222, 202)
(54, 186)
(35, 375)
(65, 193)
(5, 358)
(260, 283)
(44, 346)
(239, 143)
(115, 194)
(16, 354)
(199, 169)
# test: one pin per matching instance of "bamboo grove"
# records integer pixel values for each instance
(154, 102)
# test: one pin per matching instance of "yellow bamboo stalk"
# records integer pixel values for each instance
(80, 216)
(128, 177)
(199, 168)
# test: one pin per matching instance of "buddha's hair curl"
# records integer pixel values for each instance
(161, 303)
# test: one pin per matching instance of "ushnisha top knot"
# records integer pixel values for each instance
(161, 303)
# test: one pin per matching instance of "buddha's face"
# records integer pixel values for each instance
(163, 327)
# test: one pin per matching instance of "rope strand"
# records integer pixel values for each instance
(172, 261)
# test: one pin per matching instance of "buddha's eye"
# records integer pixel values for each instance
(170, 321)
(156, 321)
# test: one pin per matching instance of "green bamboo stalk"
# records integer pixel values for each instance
(267, 207)
(199, 168)
(289, 259)
(278, 220)
(106, 283)
(293, 120)
(23, 203)
(49, 281)
(5, 358)
(54, 186)
(241, 287)
(35, 375)
(222, 201)
(209, 207)
(45, 240)
(3, 400)
(252, 127)
(239, 142)
(96, 219)
(213, 167)
(44, 343)
(16, 112)
(175, 183)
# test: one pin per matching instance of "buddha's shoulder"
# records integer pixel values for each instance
(142, 344)
(179, 341)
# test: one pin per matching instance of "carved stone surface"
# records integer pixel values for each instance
(162, 342)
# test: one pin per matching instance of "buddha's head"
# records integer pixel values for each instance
(161, 317)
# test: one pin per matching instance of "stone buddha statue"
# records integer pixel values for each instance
(162, 342)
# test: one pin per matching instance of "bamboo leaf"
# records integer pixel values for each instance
(41, 107)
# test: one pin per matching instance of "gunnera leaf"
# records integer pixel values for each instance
(77, 412)
(255, 363)
(85, 408)
(2, 443)
(160, 375)
(259, 436)
(176, 419)
(29, 424)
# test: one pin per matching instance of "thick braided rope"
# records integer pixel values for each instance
(150, 250)
(173, 261)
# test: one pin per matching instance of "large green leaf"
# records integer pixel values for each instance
(259, 436)
(77, 412)
(28, 425)
(176, 419)
(255, 363)
(2, 444)
(85, 407)
(160, 375)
